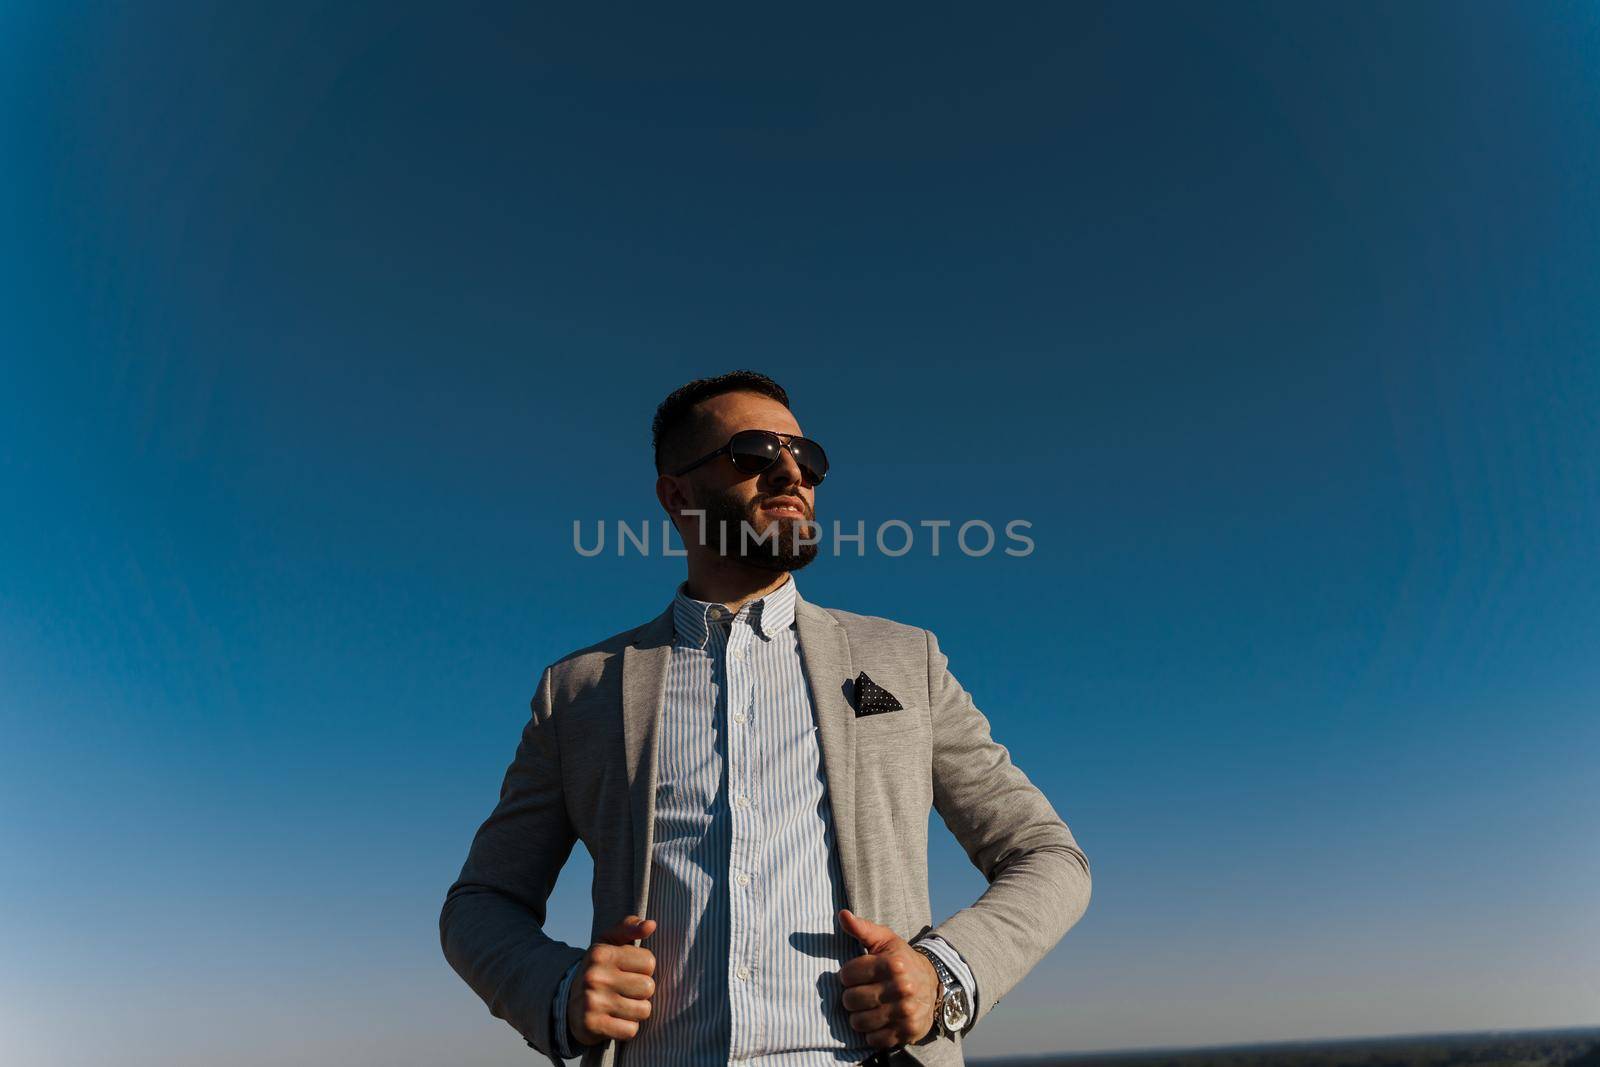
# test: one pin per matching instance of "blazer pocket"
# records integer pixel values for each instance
(907, 722)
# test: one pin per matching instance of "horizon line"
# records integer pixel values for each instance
(1295, 1042)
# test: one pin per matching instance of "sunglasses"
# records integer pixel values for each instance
(753, 451)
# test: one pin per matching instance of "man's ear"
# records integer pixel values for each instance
(670, 494)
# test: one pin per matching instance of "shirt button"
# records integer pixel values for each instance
(738, 717)
(744, 879)
(741, 801)
(738, 653)
(744, 974)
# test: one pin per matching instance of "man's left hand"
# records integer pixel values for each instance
(889, 992)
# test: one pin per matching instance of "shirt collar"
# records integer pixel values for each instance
(773, 613)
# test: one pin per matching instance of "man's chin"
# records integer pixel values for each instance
(782, 547)
(780, 562)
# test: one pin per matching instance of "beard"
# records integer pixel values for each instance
(781, 545)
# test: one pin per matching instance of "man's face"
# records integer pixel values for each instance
(774, 503)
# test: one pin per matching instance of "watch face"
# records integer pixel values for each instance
(955, 1010)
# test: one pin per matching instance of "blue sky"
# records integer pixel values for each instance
(1279, 323)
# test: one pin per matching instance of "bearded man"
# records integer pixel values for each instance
(752, 774)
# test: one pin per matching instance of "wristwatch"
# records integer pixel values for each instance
(951, 1011)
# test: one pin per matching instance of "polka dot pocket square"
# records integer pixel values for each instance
(872, 698)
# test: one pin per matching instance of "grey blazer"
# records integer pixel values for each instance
(585, 769)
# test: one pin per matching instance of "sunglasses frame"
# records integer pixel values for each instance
(784, 442)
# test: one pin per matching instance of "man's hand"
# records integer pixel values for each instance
(889, 992)
(611, 992)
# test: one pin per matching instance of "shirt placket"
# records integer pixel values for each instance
(744, 965)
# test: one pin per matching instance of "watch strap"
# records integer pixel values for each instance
(947, 982)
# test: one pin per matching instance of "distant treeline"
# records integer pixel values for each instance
(1535, 1048)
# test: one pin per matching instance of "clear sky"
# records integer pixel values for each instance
(1280, 324)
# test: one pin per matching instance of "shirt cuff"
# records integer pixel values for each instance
(566, 1043)
(952, 959)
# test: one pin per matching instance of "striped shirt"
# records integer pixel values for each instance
(746, 884)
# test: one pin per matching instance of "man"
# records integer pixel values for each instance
(752, 775)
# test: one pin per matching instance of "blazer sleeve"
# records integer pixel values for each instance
(1038, 877)
(492, 924)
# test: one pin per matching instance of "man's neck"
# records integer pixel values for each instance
(730, 583)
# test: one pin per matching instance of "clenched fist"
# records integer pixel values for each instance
(611, 992)
(889, 992)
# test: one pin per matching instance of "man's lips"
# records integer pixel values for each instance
(784, 505)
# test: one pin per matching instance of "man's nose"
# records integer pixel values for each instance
(785, 471)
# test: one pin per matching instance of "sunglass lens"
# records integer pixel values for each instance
(753, 451)
(810, 458)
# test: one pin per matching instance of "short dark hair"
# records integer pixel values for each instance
(676, 415)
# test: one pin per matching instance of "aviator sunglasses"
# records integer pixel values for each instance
(753, 451)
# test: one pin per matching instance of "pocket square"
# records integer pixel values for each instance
(872, 698)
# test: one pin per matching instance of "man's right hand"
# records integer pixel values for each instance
(611, 992)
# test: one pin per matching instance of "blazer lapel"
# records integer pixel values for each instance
(644, 679)
(825, 651)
